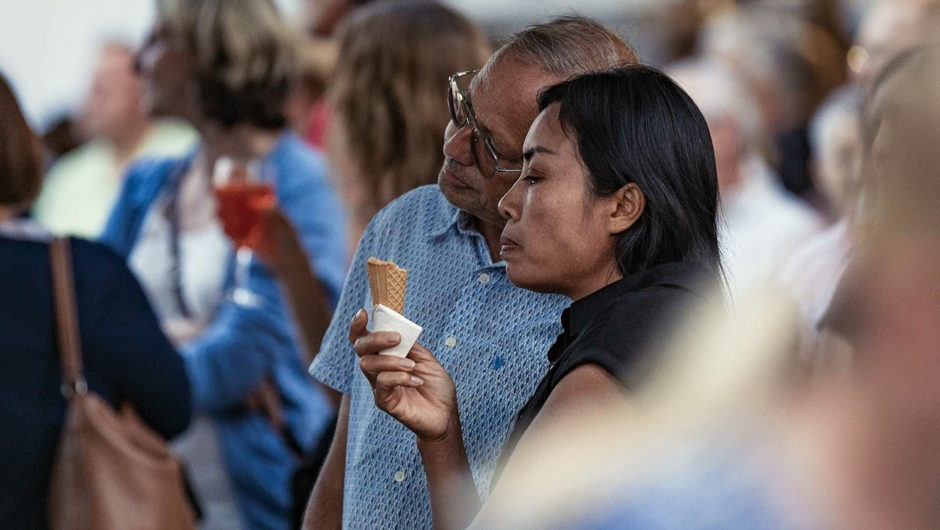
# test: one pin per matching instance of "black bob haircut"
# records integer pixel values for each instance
(636, 125)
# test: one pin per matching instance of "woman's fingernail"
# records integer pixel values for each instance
(417, 380)
(408, 363)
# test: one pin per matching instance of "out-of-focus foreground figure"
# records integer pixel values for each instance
(81, 187)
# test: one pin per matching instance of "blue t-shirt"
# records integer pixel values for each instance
(490, 336)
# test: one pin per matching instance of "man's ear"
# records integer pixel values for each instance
(628, 203)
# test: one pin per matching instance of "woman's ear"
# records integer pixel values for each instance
(628, 205)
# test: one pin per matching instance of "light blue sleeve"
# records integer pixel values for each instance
(316, 212)
(336, 364)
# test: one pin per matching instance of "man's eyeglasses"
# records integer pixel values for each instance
(481, 148)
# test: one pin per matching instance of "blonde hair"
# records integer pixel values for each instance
(388, 95)
(245, 57)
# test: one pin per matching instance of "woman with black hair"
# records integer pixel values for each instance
(616, 208)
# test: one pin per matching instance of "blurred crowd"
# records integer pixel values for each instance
(684, 282)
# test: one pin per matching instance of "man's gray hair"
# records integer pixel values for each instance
(568, 46)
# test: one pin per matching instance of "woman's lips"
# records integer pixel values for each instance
(507, 245)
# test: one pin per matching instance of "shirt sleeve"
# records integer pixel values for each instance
(144, 367)
(320, 218)
(336, 363)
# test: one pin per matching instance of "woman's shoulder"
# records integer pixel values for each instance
(631, 328)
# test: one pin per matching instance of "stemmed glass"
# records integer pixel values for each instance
(244, 190)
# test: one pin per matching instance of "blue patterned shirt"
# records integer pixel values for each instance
(490, 336)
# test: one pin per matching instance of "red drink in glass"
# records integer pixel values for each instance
(240, 205)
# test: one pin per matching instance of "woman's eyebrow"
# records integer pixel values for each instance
(530, 152)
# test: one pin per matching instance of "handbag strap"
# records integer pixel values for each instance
(63, 289)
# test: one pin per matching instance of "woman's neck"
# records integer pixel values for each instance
(590, 284)
(241, 142)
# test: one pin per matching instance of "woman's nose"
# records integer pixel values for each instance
(509, 204)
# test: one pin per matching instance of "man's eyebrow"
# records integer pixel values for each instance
(530, 152)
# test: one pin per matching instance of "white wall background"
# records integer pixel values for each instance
(47, 47)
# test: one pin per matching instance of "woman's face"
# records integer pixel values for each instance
(167, 70)
(559, 238)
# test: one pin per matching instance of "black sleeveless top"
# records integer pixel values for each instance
(615, 328)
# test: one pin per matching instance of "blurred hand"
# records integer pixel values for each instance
(416, 390)
(275, 240)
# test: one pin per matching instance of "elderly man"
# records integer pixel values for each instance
(762, 222)
(491, 336)
(81, 188)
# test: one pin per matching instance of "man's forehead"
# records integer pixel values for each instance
(504, 98)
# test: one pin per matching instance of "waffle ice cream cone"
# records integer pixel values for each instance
(388, 284)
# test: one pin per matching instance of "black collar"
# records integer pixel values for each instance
(692, 277)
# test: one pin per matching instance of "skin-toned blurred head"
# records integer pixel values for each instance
(835, 135)
(890, 28)
(325, 16)
(115, 102)
(168, 67)
(901, 124)
(504, 98)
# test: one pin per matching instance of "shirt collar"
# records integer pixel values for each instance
(465, 223)
(691, 277)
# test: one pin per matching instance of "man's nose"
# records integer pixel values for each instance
(457, 143)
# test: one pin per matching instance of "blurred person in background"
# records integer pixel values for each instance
(323, 18)
(387, 133)
(316, 60)
(616, 209)
(813, 270)
(761, 222)
(790, 65)
(80, 188)
(448, 237)
(127, 359)
(226, 67)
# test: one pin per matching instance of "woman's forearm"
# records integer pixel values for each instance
(308, 303)
(454, 497)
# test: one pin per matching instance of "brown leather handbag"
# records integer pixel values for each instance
(111, 470)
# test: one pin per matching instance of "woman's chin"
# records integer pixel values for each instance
(520, 277)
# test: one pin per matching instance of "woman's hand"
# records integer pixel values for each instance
(416, 390)
(275, 240)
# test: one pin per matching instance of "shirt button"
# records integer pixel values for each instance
(450, 342)
(484, 278)
(399, 476)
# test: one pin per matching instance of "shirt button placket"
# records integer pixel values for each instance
(399, 476)
(485, 279)
(450, 342)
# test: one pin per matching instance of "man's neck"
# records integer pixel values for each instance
(491, 234)
(128, 142)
